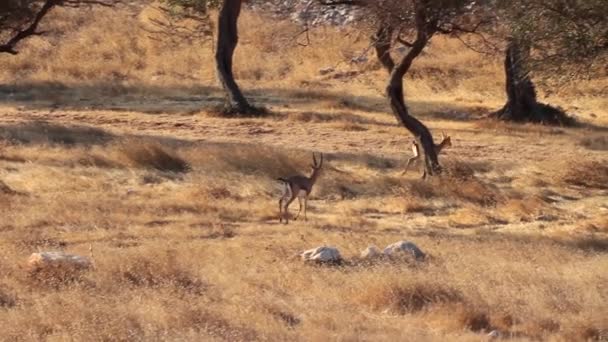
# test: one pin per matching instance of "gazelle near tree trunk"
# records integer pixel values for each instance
(446, 141)
(300, 187)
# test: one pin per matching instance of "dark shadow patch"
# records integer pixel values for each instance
(39, 132)
(598, 143)
(7, 300)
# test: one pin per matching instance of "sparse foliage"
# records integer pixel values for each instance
(568, 38)
(20, 19)
(412, 24)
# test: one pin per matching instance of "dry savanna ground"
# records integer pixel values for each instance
(107, 141)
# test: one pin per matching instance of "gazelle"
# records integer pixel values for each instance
(300, 187)
(445, 142)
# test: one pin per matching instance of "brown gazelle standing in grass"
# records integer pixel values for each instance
(445, 142)
(300, 187)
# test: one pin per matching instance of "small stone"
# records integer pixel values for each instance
(371, 252)
(494, 334)
(44, 260)
(322, 254)
(404, 247)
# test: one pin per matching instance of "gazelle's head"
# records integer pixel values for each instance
(316, 165)
(446, 141)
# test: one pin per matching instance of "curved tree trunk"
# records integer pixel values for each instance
(522, 104)
(395, 94)
(227, 40)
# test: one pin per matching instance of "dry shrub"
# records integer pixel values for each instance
(218, 231)
(537, 329)
(458, 182)
(421, 189)
(408, 298)
(47, 133)
(587, 331)
(597, 143)
(212, 324)
(7, 300)
(56, 275)
(599, 225)
(156, 271)
(415, 205)
(460, 169)
(468, 217)
(588, 174)
(470, 190)
(311, 117)
(150, 155)
(6, 190)
(350, 127)
(247, 159)
(460, 316)
(524, 209)
(474, 191)
(97, 161)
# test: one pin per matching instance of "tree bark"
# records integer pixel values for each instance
(521, 94)
(227, 40)
(522, 104)
(395, 94)
(382, 45)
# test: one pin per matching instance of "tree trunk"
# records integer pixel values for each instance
(521, 94)
(522, 104)
(395, 94)
(382, 45)
(227, 40)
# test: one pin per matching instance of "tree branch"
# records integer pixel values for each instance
(9, 47)
(31, 30)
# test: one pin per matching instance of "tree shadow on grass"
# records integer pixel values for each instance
(40, 132)
(189, 100)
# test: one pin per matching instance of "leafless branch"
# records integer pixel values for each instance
(9, 47)
(32, 28)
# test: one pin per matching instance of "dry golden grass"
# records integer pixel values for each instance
(589, 174)
(107, 140)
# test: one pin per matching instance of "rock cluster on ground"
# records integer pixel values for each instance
(404, 247)
(325, 254)
(308, 12)
(44, 261)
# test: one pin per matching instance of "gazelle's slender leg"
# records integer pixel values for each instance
(281, 210)
(409, 163)
(299, 210)
(286, 209)
(305, 206)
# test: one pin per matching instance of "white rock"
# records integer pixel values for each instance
(494, 334)
(43, 260)
(404, 247)
(322, 254)
(371, 252)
